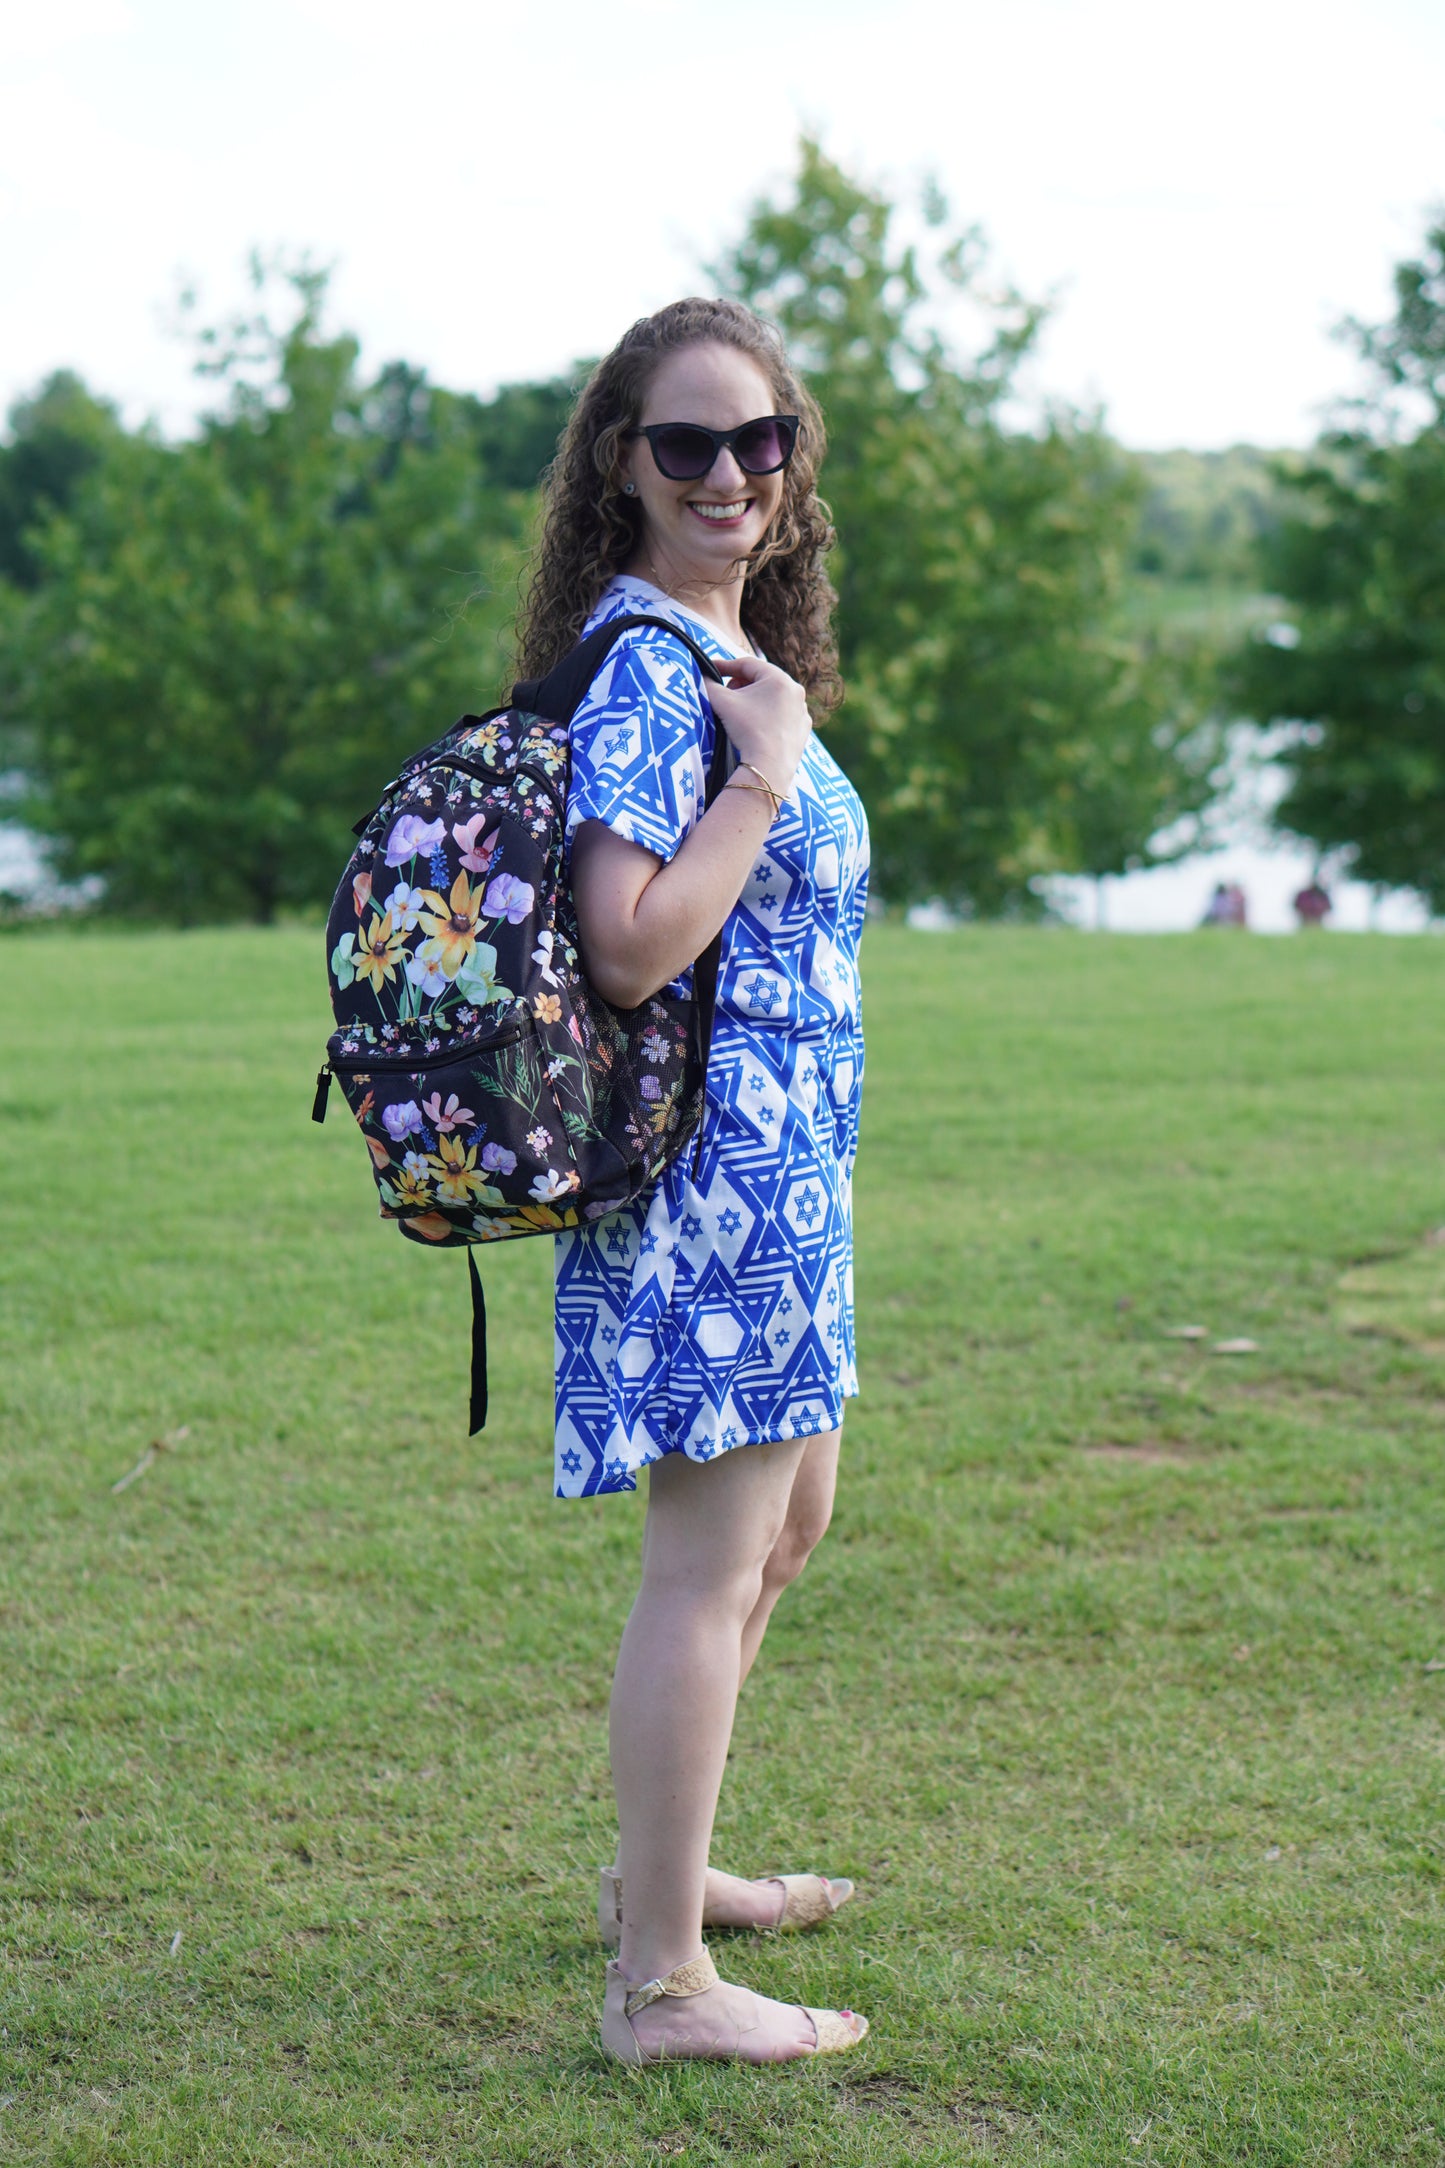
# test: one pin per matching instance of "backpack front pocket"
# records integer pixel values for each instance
(468, 1145)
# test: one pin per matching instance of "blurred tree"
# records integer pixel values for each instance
(234, 641)
(228, 644)
(1204, 515)
(517, 430)
(55, 438)
(1360, 563)
(999, 723)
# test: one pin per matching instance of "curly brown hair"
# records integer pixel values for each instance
(590, 529)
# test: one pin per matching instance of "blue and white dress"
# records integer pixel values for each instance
(719, 1311)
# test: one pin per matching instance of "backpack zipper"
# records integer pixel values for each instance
(479, 774)
(417, 1064)
(421, 1061)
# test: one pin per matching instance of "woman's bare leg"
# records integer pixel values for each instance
(710, 1531)
(810, 1508)
(730, 1900)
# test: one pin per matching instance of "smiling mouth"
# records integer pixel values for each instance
(722, 515)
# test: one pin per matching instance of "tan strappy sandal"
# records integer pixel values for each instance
(834, 2031)
(808, 1900)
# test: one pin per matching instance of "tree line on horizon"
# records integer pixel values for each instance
(215, 652)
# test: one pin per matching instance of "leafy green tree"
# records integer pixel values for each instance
(55, 438)
(516, 431)
(1360, 563)
(1204, 516)
(999, 722)
(234, 641)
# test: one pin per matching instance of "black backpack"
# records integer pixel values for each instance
(498, 1093)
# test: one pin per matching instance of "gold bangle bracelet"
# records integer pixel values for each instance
(772, 789)
(755, 791)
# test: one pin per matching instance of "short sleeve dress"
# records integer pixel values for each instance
(718, 1311)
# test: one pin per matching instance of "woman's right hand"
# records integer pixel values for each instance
(765, 714)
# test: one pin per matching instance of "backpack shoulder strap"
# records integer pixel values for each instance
(558, 696)
(560, 693)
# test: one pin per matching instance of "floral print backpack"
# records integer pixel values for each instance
(497, 1092)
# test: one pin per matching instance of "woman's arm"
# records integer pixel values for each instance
(642, 921)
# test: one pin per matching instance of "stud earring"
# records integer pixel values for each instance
(629, 489)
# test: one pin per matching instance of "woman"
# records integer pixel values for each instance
(707, 1334)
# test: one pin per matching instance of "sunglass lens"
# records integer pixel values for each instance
(764, 446)
(682, 454)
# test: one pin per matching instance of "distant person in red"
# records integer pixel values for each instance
(1312, 905)
(1226, 906)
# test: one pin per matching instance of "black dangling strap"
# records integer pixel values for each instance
(479, 1349)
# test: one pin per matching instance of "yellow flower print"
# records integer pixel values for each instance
(547, 1008)
(453, 923)
(664, 1116)
(411, 1189)
(454, 1170)
(379, 951)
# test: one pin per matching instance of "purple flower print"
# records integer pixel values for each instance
(401, 1121)
(498, 1160)
(650, 1088)
(509, 898)
(412, 836)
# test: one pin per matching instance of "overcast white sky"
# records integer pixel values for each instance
(1204, 190)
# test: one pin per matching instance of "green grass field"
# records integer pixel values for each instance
(1114, 1687)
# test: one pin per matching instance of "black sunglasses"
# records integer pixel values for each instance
(685, 451)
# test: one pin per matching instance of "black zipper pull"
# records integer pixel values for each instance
(323, 1087)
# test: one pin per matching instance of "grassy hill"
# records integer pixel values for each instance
(1115, 1686)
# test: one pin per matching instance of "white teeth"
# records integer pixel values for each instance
(723, 511)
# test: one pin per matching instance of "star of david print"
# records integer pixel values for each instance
(718, 1312)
